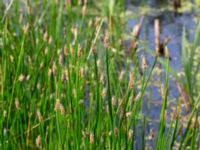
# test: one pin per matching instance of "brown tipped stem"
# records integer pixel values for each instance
(166, 40)
(135, 35)
(184, 97)
(157, 36)
(137, 28)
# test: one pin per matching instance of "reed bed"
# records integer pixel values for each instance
(68, 80)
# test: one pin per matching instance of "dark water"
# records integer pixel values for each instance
(172, 25)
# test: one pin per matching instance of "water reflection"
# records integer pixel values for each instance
(152, 3)
(171, 25)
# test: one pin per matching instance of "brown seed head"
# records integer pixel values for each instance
(106, 41)
(84, 8)
(162, 90)
(91, 138)
(38, 142)
(45, 36)
(4, 113)
(138, 96)
(131, 81)
(75, 32)
(38, 86)
(65, 50)
(157, 36)
(57, 105)
(79, 51)
(39, 115)
(62, 109)
(49, 72)
(11, 59)
(54, 69)
(116, 131)
(25, 28)
(17, 105)
(114, 101)
(50, 40)
(128, 114)
(46, 51)
(144, 63)
(21, 77)
(94, 50)
(60, 60)
(121, 76)
(103, 94)
(81, 72)
(130, 134)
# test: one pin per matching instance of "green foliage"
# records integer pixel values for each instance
(66, 80)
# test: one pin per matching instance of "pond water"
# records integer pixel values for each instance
(172, 25)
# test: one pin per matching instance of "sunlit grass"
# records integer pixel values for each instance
(67, 81)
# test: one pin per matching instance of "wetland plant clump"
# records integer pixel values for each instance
(73, 77)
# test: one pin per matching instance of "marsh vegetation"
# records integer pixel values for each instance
(107, 74)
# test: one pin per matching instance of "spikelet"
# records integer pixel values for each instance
(116, 131)
(57, 105)
(21, 77)
(135, 34)
(131, 81)
(121, 75)
(39, 115)
(106, 40)
(144, 63)
(184, 97)
(65, 50)
(46, 51)
(162, 90)
(157, 36)
(38, 142)
(91, 138)
(84, 7)
(11, 59)
(130, 134)
(79, 51)
(113, 101)
(17, 105)
(4, 113)
(137, 28)
(103, 93)
(25, 28)
(28, 7)
(62, 109)
(45, 37)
